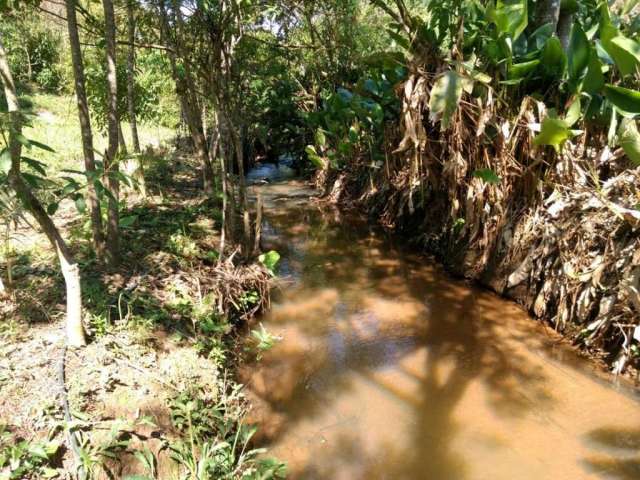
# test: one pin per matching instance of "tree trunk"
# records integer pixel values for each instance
(131, 32)
(565, 22)
(242, 190)
(214, 148)
(85, 129)
(225, 201)
(122, 145)
(258, 226)
(547, 11)
(70, 270)
(111, 164)
(135, 161)
(185, 88)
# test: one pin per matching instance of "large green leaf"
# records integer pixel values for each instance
(321, 138)
(521, 70)
(626, 101)
(574, 112)
(270, 259)
(444, 98)
(41, 146)
(81, 205)
(510, 17)
(594, 79)
(37, 165)
(554, 132)
(540, 36)
(623, 51)
(553, 59)
(569, 6)
(631, 50)
(314, 157)
(629, 139)
(578, 53)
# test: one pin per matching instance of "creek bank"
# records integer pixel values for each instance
(558, 233)
(164, 332)
(371, 330)
(590, 298)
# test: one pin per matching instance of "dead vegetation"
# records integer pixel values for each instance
(558, 232)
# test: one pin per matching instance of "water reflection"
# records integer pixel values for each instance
(271, 172)
(389, 369)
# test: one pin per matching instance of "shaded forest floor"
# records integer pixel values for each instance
(162, 336)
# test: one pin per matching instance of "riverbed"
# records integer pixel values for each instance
(389, 368)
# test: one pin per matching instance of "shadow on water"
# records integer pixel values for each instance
(376, 343)
(618, 452)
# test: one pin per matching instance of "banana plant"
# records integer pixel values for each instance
(595, 76)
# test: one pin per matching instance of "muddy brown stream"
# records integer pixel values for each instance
(388, 368)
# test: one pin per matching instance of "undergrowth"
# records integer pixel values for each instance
(171, 282)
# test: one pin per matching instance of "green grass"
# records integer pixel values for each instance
(57, 126)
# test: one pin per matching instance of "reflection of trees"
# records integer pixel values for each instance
(458, 326)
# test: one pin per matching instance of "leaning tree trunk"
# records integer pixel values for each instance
(131, 33)
(85, 129)
(111, 164)
(70, 269)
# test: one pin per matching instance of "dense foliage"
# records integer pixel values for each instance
(34, 51)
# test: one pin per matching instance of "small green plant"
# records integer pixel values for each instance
(9, 330)
(248, 299)
(148, 461)
(22, 459)
(213, 348)
(214, 443)
(182, 245)
(93, 456)
(265, 340)
(100, 323)
(458, 225)
(270, 259)
(204, 311)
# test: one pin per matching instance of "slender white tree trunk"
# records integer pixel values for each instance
(70, 269)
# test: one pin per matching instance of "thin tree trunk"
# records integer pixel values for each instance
(565, 22)
(111, 164)
(258, 226)
(547, 11)
(185, 88)
(223, 227)
(242, 187)
(228, 200)
(70, 269)
(85, 129)
(131, 31)
(204, 120)
(122, 145)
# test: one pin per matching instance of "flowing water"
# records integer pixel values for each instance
(388, 368)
